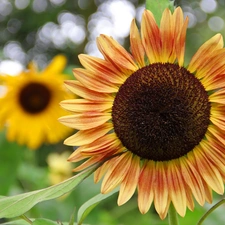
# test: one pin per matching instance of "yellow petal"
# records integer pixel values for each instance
(56, 66)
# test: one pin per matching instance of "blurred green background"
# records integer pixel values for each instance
(38, 30)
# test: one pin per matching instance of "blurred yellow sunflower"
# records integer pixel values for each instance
(59, 169)
(156, 124)
(30, 107)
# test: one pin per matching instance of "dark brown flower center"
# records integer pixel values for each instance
(161, 112)
(34, 97)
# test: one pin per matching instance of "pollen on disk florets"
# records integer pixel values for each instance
(161, 112)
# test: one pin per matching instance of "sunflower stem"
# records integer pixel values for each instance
(210, 211)
(172, 216)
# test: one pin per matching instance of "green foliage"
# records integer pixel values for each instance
(88, 206)
(8, 171)
(158, 6)
(41, 221)
(17, 205)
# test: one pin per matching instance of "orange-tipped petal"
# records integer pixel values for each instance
(85, 121)
(77, 88)
(167, 36)
(94, 83)
(151, 37)
(192, 179)
(176, 187)
(84, 137)
(137, 48)
(129, 184)
(209, 173)
(180, 34)
(145, 186)
(161, 192)
(98, 174)
(116, 54)
(82, 105)
(103, 144)
(116, 173)
(102, 68)
(213, 44)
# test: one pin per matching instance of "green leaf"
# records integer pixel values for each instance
(16, 222)
(87, 207)
(17, 205)
(158, 6)
(41, 221)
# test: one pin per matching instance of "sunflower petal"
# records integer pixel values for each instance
(192, 179)
(84, 137)
(150, 37)
(145, 186)
(161, 193)
(85, 121)
(92, 82)
(82, 105)
(180, 34)
(137, 48)
(116, 54)
(167, 35)
(117, 172)
(77, 88)
(209, 173)
(176, 187)
(56, 66)
(218, 96)
(102, 68)
(129, 184)
(204, 51)
(98, 174)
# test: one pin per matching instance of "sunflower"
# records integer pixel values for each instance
(30, 107)
(156, 125)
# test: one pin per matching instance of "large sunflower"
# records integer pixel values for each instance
(30, 107)
(157, 125)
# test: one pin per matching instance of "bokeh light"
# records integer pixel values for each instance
(39, 29)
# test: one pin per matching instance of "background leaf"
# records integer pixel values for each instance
(9, 152)
(158, 6)
(44, 222)
(86, 208)
(39, 221)
(17, 205)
